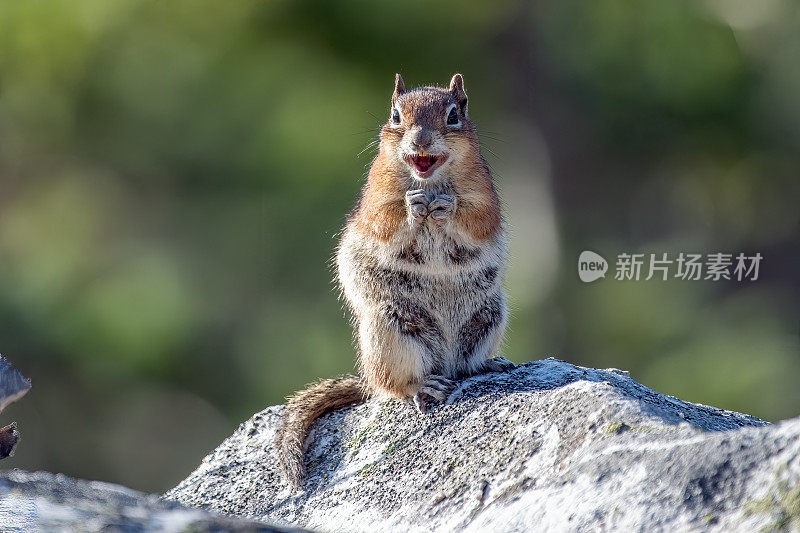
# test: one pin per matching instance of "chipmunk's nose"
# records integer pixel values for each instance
(421, 138)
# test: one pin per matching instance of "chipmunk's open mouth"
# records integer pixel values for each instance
(424, 163)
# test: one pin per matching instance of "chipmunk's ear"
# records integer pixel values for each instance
(399, 87)
(457, 88)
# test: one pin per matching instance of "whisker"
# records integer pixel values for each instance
(491, 152)
(373, 115)
(371, 144)
(495, 136)
(367, 148)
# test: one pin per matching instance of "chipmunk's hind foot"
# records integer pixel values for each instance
(435, 389)
(495, 364)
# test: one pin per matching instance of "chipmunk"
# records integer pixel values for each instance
(420, 263)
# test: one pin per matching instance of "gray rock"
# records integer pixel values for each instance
(41, 501)
(13, 385)
(548, 446)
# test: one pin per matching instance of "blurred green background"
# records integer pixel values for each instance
(173, 176)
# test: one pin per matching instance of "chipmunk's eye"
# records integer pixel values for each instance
(395, 116)
(452, 117)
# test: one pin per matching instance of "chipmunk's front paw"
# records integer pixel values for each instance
(417, 205)
(441, 208)
(435, 389)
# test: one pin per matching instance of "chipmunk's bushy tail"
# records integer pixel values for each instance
(301, 411)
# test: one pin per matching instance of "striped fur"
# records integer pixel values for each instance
(425, 287)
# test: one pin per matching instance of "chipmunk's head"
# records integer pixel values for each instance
(428, 128)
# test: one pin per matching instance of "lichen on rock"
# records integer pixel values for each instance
(547, 445)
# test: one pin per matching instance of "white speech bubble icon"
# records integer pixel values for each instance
(591, 266)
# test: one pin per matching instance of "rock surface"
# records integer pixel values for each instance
(41, 501)
(548, 445)
(13, 385)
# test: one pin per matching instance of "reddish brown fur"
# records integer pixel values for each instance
(381, 379)
(381, 210)
(305, 407)
(478, 211)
